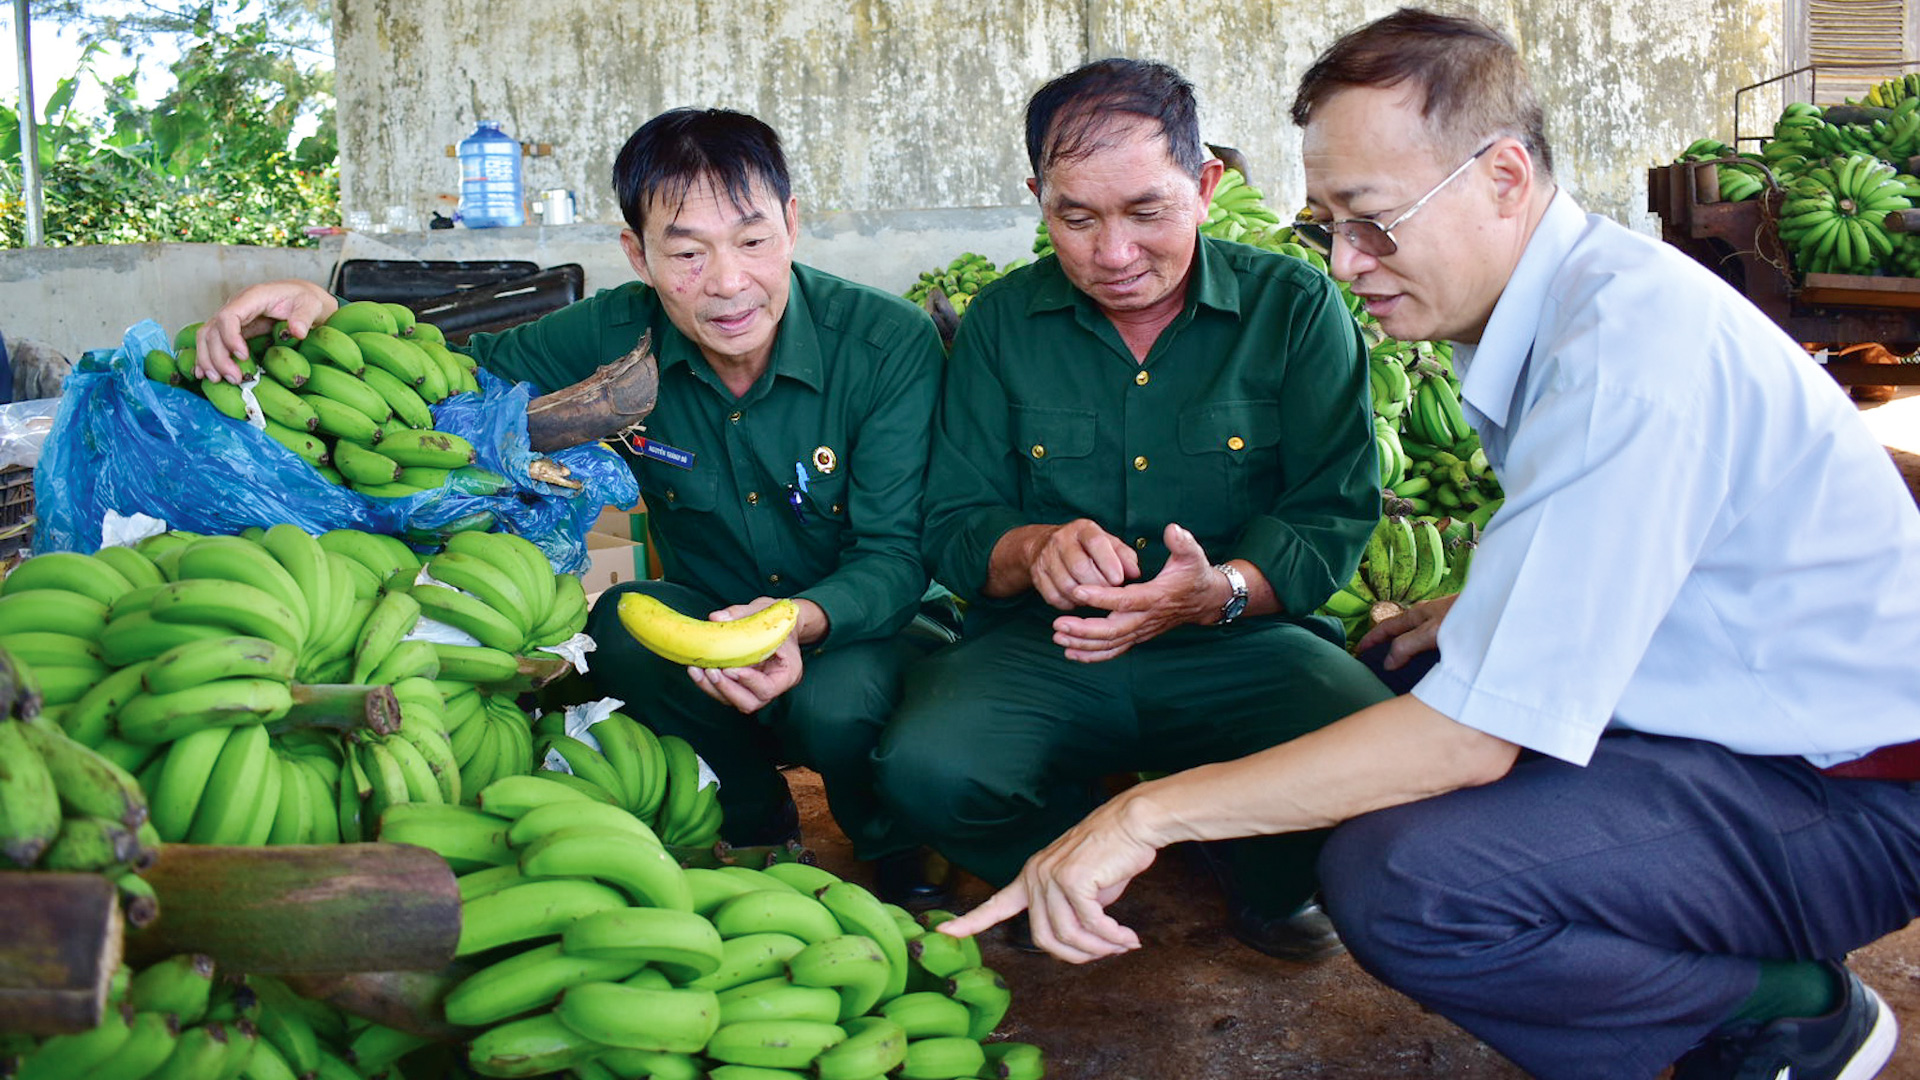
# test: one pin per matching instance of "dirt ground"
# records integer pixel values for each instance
(1194, 1004)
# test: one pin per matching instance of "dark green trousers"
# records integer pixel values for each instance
(829, 722)
(1000, 742)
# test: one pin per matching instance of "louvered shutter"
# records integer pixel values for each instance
(1856, 43)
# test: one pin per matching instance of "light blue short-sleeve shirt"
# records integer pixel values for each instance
(1700, 539)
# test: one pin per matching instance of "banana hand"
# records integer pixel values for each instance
(750, 689)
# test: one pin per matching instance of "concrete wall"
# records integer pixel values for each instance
(82, 298)
(85, 297)
(906, 104)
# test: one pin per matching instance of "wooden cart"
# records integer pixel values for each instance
(1740, 241)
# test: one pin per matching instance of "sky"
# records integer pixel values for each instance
(55, 56)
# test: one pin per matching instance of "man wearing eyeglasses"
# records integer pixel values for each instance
(1662, 778)
(1154, 462)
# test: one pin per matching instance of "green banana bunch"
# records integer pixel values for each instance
(1831, 220)
(959, 281)
(366, 375)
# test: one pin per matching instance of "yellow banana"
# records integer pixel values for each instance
(703, 643)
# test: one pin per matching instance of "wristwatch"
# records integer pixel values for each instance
(1236, 603)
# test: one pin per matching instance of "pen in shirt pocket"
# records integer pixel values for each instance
(797, 492)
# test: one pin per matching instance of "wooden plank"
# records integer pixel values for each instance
(316, 908)
(1860, 290)
(61, 948)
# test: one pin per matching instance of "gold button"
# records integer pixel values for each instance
(773, 579)
(1141, 378)
(1039, 451)
(753, 498)
(1140, 463)
(1140, 542)
(836, 508)
(671, 495)
(735, 418)
(1236, 443)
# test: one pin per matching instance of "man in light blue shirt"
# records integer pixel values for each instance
(1661, 779)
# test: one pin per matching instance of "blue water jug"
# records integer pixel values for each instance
(490, 188)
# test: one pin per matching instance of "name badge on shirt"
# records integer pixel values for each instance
(659, 451)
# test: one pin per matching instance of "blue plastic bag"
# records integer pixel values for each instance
(126, 443)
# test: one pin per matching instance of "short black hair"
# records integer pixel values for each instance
(1472, 82)
(673, 151)
(1067, 117)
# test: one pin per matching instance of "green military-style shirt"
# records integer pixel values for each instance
(847, 399)
(1248, 424)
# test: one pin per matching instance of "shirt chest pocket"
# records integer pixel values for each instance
(1231, 451)
(1056, 447)
(670, 488)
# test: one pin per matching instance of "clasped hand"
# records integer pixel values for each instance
(1081, 565)
(750, 689)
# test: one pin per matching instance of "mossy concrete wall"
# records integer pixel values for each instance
(911, 104)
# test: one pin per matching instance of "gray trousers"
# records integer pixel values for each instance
(1598, 921)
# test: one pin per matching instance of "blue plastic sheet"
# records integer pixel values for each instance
(125, 443)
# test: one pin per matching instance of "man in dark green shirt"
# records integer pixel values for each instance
(1114, 420)
(789, 454)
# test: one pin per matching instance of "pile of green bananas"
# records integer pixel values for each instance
(235, 675)
(1409, 558)
(351, 399)
(1832, 219)
(1237, 211)
(595, 952)
(1738, 181)
(656, 778)
(1894, 91)
(959, 280)
(1807, 133)
(64, 807)
(178, 1018)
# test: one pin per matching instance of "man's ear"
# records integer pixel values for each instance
(1511, 168)
(1210, 174)
(1033, 185)
(636, 250)
(793, 219)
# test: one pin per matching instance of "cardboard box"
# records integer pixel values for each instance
(630, 523)
(612, 560)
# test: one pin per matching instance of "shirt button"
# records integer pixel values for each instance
(671, 495)
(836, 509)
(1141, 378)
(773, 579)
(1236, 443)
(734, 418)
(1140, 542)
(1140, 463)
(1039, 451)
(753, 498)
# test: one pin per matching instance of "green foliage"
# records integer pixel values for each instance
(209, 162)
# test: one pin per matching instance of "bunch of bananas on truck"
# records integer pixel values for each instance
(1840, 173)
(594, 951)
(351, 399)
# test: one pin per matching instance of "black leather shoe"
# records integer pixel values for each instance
(916, 879)
(1307, 936)
(1304, 935)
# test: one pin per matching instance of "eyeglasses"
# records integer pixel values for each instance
(1371, 237)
